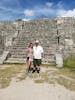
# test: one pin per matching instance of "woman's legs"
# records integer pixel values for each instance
(29, 66)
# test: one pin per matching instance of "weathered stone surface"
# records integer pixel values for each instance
(52, 34)
(3, 57)
(1, 44)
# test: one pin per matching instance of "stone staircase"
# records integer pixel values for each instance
(44, 30)
(15, 37)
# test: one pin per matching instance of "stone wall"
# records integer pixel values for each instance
(55, 35)
(66, 30)
(8, 31)
(1, 44)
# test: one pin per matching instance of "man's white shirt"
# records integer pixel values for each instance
(37, 52)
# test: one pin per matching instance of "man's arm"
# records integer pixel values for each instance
(42, 50)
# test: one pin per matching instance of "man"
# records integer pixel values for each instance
(37, 56)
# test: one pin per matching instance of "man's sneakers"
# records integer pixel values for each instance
(36, 69)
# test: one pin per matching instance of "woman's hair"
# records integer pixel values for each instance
(31, 45)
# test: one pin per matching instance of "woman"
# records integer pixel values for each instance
(29, 57)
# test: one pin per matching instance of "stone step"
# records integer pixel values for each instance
(18, 53)
(23, 60)
(18, 56)
(15, 60)
(19, 48)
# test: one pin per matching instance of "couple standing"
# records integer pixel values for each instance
(34, 55)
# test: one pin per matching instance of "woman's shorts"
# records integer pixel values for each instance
(29, 59)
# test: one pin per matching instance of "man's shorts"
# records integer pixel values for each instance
(37, 62)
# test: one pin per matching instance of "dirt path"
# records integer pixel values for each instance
(28, 90)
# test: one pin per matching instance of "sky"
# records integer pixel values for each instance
(11, 10)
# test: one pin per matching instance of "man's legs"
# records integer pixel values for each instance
(36, 63)
(29, 64)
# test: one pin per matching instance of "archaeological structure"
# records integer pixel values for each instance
(56, 35)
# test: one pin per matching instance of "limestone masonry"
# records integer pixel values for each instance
(56, 35)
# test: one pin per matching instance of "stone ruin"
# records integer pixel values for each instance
(56, 35)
